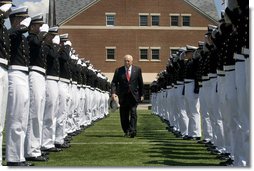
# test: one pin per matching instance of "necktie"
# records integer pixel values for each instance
(128, 75)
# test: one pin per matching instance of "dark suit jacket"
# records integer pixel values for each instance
(122, 87)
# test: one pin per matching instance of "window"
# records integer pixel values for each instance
(156, 20)
(143, 52)
(155, 53)
(186, 20)
(173, 51)
(174, 21)
(143, 20)
(110, 19)
(110, 53)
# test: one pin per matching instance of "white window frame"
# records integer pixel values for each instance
(110, 47)
(154, 15)
(185, 15)
(110, 14)
(179, 19)
(143, 14)
(155, 48)
(173, 48)
(146, 48)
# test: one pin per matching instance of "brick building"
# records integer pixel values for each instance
(103, 31)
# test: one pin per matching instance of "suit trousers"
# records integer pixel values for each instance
(51, 109)
(3, 104)
(36, 112)
(128, 114)
(17, 115)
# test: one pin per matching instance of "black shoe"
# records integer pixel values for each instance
(19, 164)
(44, 153)
(39, 158)
(64, 145)
(126, 134)
(53, 149)
(229, 162)
(132, 135)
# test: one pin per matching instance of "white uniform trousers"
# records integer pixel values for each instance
(89, 98)
(51, 109)
(36, 112)
(61, 117)
(240, 79)
(3, 104)
(106, 111)
(193, 110)
(17, 115)
(85, 119)
(231, 111)
(183, 119)
(207, 132)
(247, 132)
(215, 116)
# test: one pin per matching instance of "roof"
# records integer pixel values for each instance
(66, 9)
(206, 7)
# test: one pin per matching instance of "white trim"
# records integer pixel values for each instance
(110, 60)
(143, 47)
(178, 28)
(228, 67)
(185, 14)
(179, 82)
(143, 14)
(110, 47)
(188, 80)
(155, 60)
(245, 51)
(239, 56)
(155, 14)
(37, 68)
(18, 67)
(51, 77)
(155, 48)
(174, 14)
(143, 60)
(64, 80)
(205, 77)
(110, 13)
(3, 61)
(212, 75)
(220, 72)
(74, 82)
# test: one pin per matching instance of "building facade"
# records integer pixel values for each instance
(103, 31)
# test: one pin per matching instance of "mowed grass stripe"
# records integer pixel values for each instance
(103, 145)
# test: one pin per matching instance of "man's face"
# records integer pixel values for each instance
(127, 61)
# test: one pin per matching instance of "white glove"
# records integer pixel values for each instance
(44, 28)
(56, 40)
(73, 56)
(68, 43)
(79, 62)
(5, 7)
(26, 22)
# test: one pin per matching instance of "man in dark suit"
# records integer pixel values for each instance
(127, 83)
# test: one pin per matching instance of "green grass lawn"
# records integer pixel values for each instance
(103, 145)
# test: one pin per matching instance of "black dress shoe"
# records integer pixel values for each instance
(229, 162)
(19, 164)
(64, 145)
(39, 158)
(44, 153)
(53, 149)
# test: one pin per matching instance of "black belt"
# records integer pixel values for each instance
(42, 73)
(4, 66)
(239, 60)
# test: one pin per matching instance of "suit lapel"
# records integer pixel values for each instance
(133, 72)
